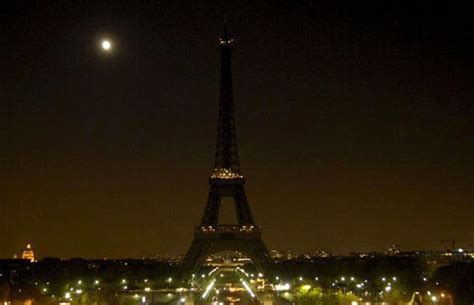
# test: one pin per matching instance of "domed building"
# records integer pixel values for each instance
(28, 253)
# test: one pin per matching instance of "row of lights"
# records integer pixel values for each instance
(123, 281)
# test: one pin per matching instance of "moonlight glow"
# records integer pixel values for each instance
(106, 45)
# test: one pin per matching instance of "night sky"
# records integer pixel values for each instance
(355, 123)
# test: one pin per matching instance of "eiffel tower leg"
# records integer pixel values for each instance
(211, 213)
(242, 207)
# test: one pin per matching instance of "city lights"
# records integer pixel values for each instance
(347, 286)
(306, 287)
(248, 289)
(208, 289)
(282, 287)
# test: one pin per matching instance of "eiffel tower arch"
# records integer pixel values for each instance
(226, 181)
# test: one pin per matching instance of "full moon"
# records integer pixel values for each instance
(106, 45)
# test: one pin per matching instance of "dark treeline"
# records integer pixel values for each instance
(459, 279)
(51, 269)
(370, 267)
(20, 279)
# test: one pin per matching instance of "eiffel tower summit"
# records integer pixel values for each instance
(226, 182)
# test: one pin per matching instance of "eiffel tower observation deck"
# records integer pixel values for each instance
(226, 181)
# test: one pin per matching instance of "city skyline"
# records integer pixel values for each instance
(351, 139)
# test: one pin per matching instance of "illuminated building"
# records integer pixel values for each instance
(28, 254)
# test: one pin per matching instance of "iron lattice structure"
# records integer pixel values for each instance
(226, 145)
(226, 181)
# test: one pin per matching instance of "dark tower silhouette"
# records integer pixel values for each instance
(226, 181)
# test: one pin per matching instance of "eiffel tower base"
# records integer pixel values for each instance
(215, 239)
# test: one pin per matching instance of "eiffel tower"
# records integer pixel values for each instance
(226, 181)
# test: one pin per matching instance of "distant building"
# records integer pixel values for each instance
(28, 254)
(278, 255)
(393, 250)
